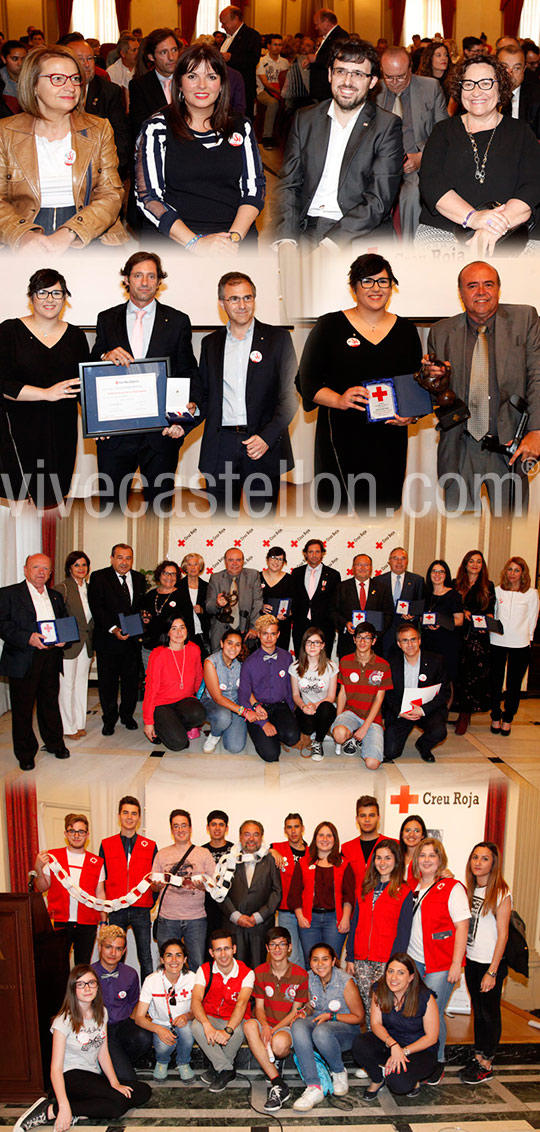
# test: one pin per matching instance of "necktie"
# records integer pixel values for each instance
(312, 585)
(362, 595)
(479, 387)
(167, 89)
(234, 608)
(397, 108)
(397, 591)
(137, 343)
(125, 594)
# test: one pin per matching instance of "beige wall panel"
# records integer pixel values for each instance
(21, 13)
(477, 16)
(148, 16)
(368, 19)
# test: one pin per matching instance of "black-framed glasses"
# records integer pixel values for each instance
(81, 984)
(61, 80)
(482, 84)
(55, 294)
(384, 284)
(77, 832)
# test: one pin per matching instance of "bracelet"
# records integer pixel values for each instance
(333, 1016)
(195, 239)
(467, 218)
(492, 974)
(392, 1044)
(241, 710)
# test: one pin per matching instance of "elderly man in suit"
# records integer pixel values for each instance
(245, 394)
(419, 102)
(244, 587)
(494, 352)
(329, 33)
(254, 896)
(32, 667)
(359, 592)
(313, 588)
(525, 101)
(242, 50)
(403, 586)
(343, 160)
(103, 98)
(412, 667)
(142, 328)
(116, 589)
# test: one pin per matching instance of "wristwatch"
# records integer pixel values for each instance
(228, 1030)
(235, 237)
(406, 1051)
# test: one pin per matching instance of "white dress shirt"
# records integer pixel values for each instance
(325, 201)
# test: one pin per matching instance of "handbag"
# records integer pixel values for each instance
(174, 872)
(516, 952)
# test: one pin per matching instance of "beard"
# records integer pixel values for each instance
(351, 103)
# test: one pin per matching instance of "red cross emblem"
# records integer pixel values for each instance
(350, 545)
(379, 393)
(181, 542)
(238, 542)
(404, 799)
(266, 542)
(209, 542)
(378, 545)
(294, 542)
(209, 569)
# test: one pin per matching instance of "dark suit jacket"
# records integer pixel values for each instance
(245, 52)
(320, 604)
(529, 106)
(271, 400)
(346, 599)
(185, 608)
(17, 623)
(107, 601)
(171, 337)
(71, 594)
(369, 177)
(412, 589)
(146, 95)
(104, 99)
(319, 87)
(433, 668)
(263, 895)
(517, 358)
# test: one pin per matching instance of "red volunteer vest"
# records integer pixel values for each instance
(353, 854)
(58, 897)
(410, 879)
(120, 880)
(438, 927)
(377, 925)
(284, 848)
(220, 1001)
(308, 877)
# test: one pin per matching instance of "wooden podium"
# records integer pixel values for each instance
(34, 970)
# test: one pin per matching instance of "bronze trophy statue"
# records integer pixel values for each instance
(450, 410)
(224, 612)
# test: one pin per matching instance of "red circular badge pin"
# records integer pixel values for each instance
(70, 157)
(236, 139)
(353, 341)
(255, 356)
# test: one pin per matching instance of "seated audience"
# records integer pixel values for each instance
(164, 1009)
(314, 690)
(120, 989)
(270, 70)
(174, 675)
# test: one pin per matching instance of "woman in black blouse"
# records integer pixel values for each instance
(158, 604)
(472, 691)
(480, 173)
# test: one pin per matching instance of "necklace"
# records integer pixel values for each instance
(180, 674)
(165, 597)
(480, 174)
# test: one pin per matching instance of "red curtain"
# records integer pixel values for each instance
(48, 537)
(22, 831)
(496, 811)
(448, 8)
(398, 12)
(63, 12)
(122, 13)
(512, 15)
(189, 9)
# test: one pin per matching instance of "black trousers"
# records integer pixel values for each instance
(39, 688)
(79, 936)
(119, 462)
(251, 942)
(371, 1053)
(320, 722)
(90, 1094)
(486, 1007)
(118, 669)
(268, 746)
(127, 1044)
(516, 662)
(397, 731)
(173, 721)
(233, 468)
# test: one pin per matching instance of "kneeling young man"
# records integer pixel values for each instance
(280, 989)
(363, 680)
(265, 688)
(219, 1001)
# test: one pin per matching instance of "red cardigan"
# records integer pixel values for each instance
(166, 669)
(377, 925)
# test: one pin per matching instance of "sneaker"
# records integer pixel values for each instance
(161, 1071)
(185, 1072)
(414, 1092)
(341, 1083)
(437, 1075)
(317, 752)
(361, 1073)
(337, 748)
(208, 1076)
(475, 1074)
(211, 743)
(221, 1080)
(351, 747)
(309, 1098)
(34, 1116)
(278, 1093)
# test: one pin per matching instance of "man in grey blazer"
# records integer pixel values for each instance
(420, 103)
(254, 896)
(343, 160)
(243, 613)
(465, 456)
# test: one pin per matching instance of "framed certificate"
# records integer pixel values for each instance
(63, 630)
(382, 404)
(126, 399)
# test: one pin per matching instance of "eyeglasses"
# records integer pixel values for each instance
(56, 294)
(482, 84)
(236, 299)
(82, 985)
(356, 76)
(277, 945)
(77, 832)
(61, 80)
(382, 283)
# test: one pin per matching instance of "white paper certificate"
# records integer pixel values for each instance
(127, 396)
(417, 697)
(177, 394)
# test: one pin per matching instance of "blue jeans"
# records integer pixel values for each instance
(229, 725)
(437, 981)
(288, 920)
(193, 932)
(329, 1039)
(183, 1047)
(323, 929)
(139, 920)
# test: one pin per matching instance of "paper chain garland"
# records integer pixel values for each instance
(218, 885)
